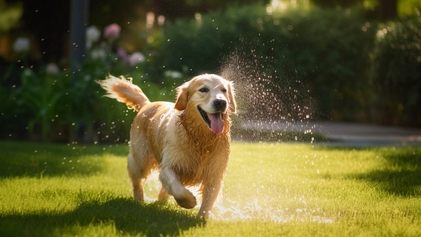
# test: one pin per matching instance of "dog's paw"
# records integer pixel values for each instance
(203, 214)
(187, 201)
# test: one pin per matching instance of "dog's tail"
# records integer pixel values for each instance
(124, 91)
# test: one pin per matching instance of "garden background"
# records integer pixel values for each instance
(354, 60)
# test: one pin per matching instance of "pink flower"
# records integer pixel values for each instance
(112, 31)
(121, 53)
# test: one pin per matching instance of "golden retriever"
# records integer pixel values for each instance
(189, 141)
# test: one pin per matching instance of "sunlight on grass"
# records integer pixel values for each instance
(269, 190)
(278, 182)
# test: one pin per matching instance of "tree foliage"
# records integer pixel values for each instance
(396, 72)
(320, 55)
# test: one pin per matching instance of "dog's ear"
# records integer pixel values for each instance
(182, 96)
(231, 97)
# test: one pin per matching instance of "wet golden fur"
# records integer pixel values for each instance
(175, 139)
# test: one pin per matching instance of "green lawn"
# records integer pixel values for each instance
(269, 190)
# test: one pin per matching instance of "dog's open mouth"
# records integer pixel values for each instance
(214, 121)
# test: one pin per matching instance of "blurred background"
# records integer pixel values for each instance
(292, 60)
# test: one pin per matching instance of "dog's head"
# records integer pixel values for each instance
(210, 96)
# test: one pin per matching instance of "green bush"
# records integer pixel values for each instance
(57, 107)
(318, 55)
(396, 72)
(46, 103)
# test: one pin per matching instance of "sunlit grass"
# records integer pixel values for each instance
(269, 190)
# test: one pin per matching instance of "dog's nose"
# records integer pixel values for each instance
(219, 105)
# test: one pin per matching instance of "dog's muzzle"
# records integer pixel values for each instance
(215, 121)
(219, 105)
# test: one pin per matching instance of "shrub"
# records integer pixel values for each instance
(50, 104)
(39, 96)
(318, 55)
(396, 72)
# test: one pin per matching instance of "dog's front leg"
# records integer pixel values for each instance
(171, 183)
(210, 193)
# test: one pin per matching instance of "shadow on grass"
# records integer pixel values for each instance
(24, 159)
(128, 217)
(398, 172)
(401, 183)
(401, 174)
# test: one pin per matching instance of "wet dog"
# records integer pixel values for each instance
(188, 141)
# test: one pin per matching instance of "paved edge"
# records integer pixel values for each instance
(346, 134)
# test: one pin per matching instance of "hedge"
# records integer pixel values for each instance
(396, 72)
(296, 64)
(318, 58)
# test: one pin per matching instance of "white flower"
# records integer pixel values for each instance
(98, 54)
(21, 45)
(52, 69)
(27, 72)
(92, 35)
(173, 74)
(136, 58)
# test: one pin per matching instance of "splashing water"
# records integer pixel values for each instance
(263, 105)
(226, 209)
(254, 211)
(263, 101)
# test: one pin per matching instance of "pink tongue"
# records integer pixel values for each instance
(217, 124)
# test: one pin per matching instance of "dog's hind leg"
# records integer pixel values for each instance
(137, 178)
(139, 169)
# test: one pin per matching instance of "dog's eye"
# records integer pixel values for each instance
(204, 89)
(223, 90)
